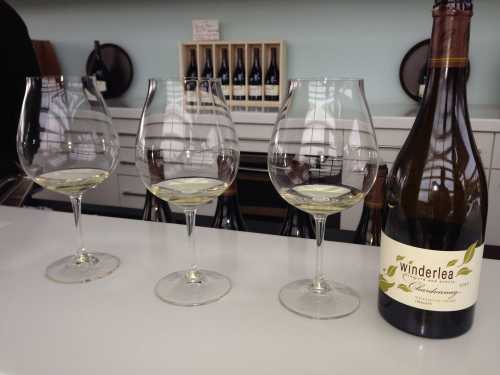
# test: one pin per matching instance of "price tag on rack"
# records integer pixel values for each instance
(206, 30)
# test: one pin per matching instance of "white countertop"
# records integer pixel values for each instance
(118, 326)
(388, 116)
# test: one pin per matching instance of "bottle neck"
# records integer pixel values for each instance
(208, 59)
(256, 59)
(239, 60)
(224, 59)
(449, 59)
(273, 57)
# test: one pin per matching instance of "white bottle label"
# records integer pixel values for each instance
(271, 90)
(101, 86)
(225, 90)
(191, 96)
(254, 90)
(430, 279)
(205, 96)
(239, 90)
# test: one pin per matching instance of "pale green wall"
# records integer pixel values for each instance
(335, 38)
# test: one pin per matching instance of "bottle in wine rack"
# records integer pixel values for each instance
(239, 80)
(191, 74)
(223, 74)
(208, 70)
(228, 213)
(297, 224)
(207, 73)
(369, 228)
(435, 217)
(272, 80)
(100, 71)
(255, 78)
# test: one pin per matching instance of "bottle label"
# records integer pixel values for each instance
(205, 97)
(191, 96)
(254, 90)
(239, 90)
(430, 279)
(271, 90)
(225, 90)
(101, 85)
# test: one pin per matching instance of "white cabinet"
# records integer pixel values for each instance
(125, 188)
(493, 225)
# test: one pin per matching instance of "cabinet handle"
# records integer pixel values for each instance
(130, 194)
(127, 163)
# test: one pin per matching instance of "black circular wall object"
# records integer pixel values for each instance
(119, 65)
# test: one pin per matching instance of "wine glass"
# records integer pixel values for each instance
(67, 144)
(187, 153)
(319, 153)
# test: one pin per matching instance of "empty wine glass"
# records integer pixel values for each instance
(187, 153)
(66, 143)
(318, 155)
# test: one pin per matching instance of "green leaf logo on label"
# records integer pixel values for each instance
(404, 288)
(451, 263)
(399, 257)
(384, 285)
(391, 271)
(464, 271)
(469, 254)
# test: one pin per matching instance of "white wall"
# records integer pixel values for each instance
(364, 38)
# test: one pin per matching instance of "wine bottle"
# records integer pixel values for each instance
(239, 80)
(99, 70)
(156, 209)
(297, 224)
(207, 73)
(228, 213)
(191, 77)
(435, 216)
(272, 82)
(370, 225)
(223, 74)
(255, 78)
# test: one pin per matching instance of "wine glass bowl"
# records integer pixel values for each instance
(66, 143)
(187, 154)
(319, 153)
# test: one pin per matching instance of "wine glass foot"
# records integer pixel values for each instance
(183, 289)
(81, 269)
(336, 301)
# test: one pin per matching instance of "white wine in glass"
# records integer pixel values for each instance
(318, 159)
(187, 154)
(66, 143)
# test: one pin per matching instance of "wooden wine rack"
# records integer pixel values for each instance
(265, 56)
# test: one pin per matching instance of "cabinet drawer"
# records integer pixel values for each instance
(127, 140)
(391, 138)
(126, 126)
(484, 143)
(496, 152)
(127, 154)
(254, 131)
(492, 232)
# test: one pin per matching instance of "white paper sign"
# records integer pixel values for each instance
(206, 30)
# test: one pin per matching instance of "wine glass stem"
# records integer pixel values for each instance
(81, 252)
(193, 275)
(319, 284)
